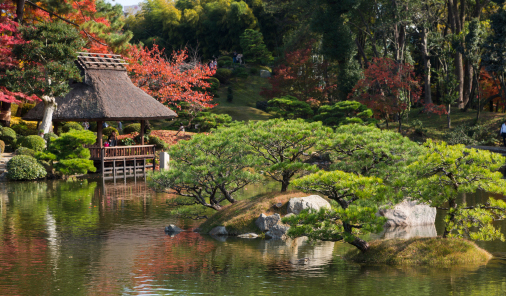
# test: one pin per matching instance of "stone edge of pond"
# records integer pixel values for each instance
(437, 252)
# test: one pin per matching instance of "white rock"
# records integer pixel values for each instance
(265, 74)
(407, 232)
(409, 213)
(289, 215)
(173, 228)
(315, 202)
(277, 231)
(248, 235)
(264, 222)
(218, 230)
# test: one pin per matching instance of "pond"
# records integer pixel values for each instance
(87, 237)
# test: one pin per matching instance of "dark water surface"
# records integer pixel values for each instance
(89, 238)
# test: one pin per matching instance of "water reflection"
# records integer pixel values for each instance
(89, 237)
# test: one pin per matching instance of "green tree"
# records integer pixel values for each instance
(357, 198)
(49, 57)
(283, 146)
(444, 171)
(254, 49)
(289, 107)
(344, 112)
(207, 170)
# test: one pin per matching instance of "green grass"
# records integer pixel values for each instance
(246, 94)
(421, 251)
(239, 218)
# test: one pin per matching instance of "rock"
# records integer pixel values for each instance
(173, 228)
(218, 230)
(289, 215)
(248, 235)
(409, 213)
(315, 202)
(407, 232)
(265, 74)
(264, 222)
(277, 231)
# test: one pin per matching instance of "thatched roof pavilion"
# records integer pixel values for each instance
(106, 94)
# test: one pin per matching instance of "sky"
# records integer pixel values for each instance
(125, 2)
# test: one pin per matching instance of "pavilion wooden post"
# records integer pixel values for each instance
(99, 134)
(56, 129)
(143, 123)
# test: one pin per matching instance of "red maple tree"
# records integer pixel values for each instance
(388, 88)
(303, 75)
(171, 81)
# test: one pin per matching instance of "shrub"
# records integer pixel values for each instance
(159, 143)
(25, 108)
(8, 136)
(108, 131)
(24, 167)
(223, 63)
(49, 137)
(128, 142)
(2, 146)
(223, 75)
(133, 127)
(254, 71)
(71, 125)
(93, 126)
(470, 135)
(240, 72)
(225, 58)
(230, 94)
(23, 129)
(69, 151)
(25, 151)
(214, 85)
(208, 121)
(33, 142)
(137, 139)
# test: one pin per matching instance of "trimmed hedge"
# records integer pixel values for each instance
(159, 143)
(24, 167)
(25, 151)
(23, 129)
(214, 85)
(33, 142)
(8, 135)
(108, 131)
(49, 136)
(223, 75)
(2, 146)
(226, 58)
(133, 127)
(71, 125)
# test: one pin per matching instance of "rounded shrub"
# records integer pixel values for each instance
(33, 142)
(8, 135)
(224, 63)
(223, 75)
(49, 136)
(24, 167)
(240, 72)
(71, 125)
(214, 85)
(25, 108)
(159, 143)
(2, 146)
(133, 127)
(25, 151)
(108, 131)
(23, 129)
(226, 59)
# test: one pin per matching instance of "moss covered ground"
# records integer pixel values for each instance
(421, 251)
(240, 217)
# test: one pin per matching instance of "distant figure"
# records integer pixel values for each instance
(86, 125)
(120, 126)
(239, 58)
(181, 129)
(234, 56)
(112, 139)
(105, 125)
(215, 64)
(211, 65)
(503, 133)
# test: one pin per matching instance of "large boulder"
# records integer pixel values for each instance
(172, 228)
(218, 230)
(277, 231)
(409, 213)
(264, 222)
(265, 74)
(407, 232)
(298, 204)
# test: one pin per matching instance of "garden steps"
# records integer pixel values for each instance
(6, 156)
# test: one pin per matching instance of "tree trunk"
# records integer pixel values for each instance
(49, 107)
(426, 66)
(400, 123)
(360, 244)
(20, 8)
(459, 72)
(468, 82)
(5, 114)
(448, 117)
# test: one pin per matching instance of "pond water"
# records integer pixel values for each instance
(87, 237)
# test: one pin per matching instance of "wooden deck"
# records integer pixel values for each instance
(123, 160)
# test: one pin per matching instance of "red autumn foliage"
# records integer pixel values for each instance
(387, 88)
(304, 76)
(170, 81)
(167, 136)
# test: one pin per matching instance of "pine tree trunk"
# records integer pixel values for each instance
(360, 244)
(49, 108)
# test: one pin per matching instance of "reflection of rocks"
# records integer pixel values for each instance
(220, 238)
(218, 230)
(299, 252)
(248, 235)
(407, 232)
(264, 222)
(298, 204)
(277, 231)
(409, 213)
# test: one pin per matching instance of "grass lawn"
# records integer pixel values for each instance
(246, 94)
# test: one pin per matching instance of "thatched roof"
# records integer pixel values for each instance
(106, 94)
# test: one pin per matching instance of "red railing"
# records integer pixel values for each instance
(122, 152)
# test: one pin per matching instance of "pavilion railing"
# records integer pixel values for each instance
(122, 152)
